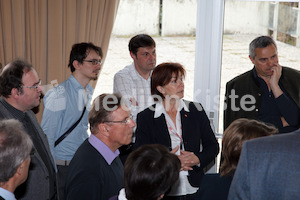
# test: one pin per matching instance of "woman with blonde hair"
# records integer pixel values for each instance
(216, 186)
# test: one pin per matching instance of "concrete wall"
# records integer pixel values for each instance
(179, 17)
(246, 17)
(137, 16)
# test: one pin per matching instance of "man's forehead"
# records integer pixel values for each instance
(146, 49)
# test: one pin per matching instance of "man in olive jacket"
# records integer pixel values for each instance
(268, 92)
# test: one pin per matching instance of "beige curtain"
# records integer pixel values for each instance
(43, 32)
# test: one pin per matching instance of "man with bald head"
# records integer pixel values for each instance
(20, 91)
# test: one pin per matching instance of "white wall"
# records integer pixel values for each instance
(179, 17)
(137, 16)
(240, 15)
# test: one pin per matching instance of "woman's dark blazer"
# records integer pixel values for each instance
(195, 128)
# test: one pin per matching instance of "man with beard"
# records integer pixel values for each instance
(65, 117)
(20, 90)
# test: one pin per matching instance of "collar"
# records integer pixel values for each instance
(103, 149)
(122, 195)
(7, 195)
(135, 75)
(76, 85)
(160, 109)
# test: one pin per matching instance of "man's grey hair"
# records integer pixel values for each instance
(15, 147)
(260, 42)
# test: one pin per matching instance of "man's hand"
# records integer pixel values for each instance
(274, 80)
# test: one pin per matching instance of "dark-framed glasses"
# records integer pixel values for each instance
(126, 121)
(35, 86)
(94, 61)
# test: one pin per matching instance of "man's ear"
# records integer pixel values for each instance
(133, 56)
(104, 129)
(251, 59)
(15, 92)
(21, 168)
(76, 64)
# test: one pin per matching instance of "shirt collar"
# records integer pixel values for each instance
(136, 75)
(7, 195)
(103, 149)
(160, 109)
(77, 85)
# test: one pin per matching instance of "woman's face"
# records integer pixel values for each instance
(175, 88)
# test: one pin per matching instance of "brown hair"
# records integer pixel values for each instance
(102, 107)
(162, 75)
(234, 137)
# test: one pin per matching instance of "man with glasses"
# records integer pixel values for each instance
(96, 171)
(20, 92)
(64, 119)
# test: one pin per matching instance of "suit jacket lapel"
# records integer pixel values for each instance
(161, 131)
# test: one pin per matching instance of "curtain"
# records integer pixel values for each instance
(43, 32)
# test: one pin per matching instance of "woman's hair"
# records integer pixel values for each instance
(162, 75)
(149, 172)
(234, 137)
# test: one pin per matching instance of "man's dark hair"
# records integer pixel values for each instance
(141, 40)
(149, 172)
(11, 76)
(80, 51)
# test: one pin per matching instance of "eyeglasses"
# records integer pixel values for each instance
(35, 86)
(94, 61)
(126, 121)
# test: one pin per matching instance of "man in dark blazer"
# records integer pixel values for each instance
(268, 169)
(20, 90)
(96, 171)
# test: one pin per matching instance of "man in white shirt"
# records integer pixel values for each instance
(133, 82)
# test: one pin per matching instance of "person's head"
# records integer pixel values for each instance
(149, 172)
(20, 82)
(167, 80)
(110, 120)
(86, 58)
(15, 148)
(263, 54)
(142, 50)
(234, 137)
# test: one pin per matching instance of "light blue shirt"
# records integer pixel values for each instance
(63, 106)
(7, 195)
